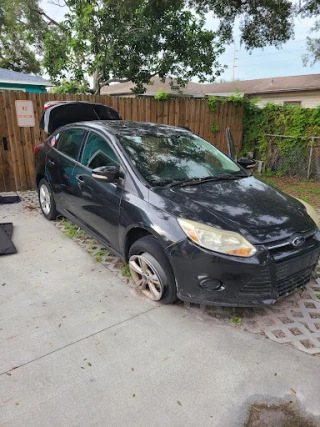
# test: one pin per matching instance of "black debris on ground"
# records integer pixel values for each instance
(7, 200)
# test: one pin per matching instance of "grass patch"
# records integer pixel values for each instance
(235, 320)
(125, 270)
(71, 230)
(92, 247)
(98, 256)
(309, 191)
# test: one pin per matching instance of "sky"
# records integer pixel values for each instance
(270, 61)
(261, 63)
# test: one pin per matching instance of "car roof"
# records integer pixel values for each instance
(126, 127)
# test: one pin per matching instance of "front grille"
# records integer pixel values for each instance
(295, 272)
(293, 282)
(290, 274)
(259, 285)
(293, 265)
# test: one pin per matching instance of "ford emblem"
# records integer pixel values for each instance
(298, 241)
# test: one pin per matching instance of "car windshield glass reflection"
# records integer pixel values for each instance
(164, 159)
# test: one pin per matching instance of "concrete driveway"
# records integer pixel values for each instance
(79, 348)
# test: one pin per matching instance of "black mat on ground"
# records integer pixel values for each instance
(6, 200)
(6, 245)
(8, 228)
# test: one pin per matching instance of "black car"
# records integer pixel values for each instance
(191, 222)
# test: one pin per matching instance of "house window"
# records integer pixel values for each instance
(292, 103)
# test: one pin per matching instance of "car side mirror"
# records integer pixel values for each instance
(107, 173)
(247, 163)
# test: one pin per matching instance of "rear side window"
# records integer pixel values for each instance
(97, 153)
(70, 142)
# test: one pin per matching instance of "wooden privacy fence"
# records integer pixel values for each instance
(17, 143)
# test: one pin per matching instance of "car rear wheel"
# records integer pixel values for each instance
(46, 200)
(151, 270)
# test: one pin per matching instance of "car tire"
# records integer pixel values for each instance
(151, 270)
(46, 200)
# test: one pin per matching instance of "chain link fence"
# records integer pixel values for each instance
(301, 160)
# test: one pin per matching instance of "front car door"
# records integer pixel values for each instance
(98, 207)
(61, 160)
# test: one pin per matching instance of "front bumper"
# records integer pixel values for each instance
(209, 278)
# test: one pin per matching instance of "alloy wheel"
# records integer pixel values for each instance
(146, 277)
(45, 199)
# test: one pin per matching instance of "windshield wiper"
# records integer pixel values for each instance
(162, 183)
(196, 181)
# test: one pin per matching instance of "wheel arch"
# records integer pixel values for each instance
(39, 177)
(134, 234)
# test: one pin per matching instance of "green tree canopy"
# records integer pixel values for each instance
(115, 41)
(22, 29)
(121, 40)
(262, 23)
(311, 9)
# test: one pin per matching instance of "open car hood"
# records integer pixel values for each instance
(68, 112)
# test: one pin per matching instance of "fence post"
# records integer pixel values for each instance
(310, 158)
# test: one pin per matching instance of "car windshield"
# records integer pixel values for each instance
(162, 159)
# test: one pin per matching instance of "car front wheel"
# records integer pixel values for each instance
(46, 200)
(151, 270)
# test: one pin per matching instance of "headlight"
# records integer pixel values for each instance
(226, 242)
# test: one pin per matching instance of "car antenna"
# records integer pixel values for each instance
(96, 114)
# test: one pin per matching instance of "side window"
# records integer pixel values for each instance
(70, 141)
(97, 152)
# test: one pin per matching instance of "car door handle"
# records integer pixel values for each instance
(80, 180)
(51, 162)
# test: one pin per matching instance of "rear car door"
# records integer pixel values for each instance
(60, 162)
(98, 207)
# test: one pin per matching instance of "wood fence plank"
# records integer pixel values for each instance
(182, 116)
(27, 147)
(189, 110)
(146, 114)
(208, 120)
(153, 110)
(38, 111)
(196, 117)
(176, 111)
(170, 104)
(13, 141)
(160, 114)
(7, 182)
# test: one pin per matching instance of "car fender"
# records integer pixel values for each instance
(311, 212)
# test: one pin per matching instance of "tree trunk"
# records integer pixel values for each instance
(96, 84)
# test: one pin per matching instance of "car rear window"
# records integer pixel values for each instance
(70, 142)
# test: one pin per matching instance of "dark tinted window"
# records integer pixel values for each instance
(70, 141)
(175, 157)
(97, 152)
